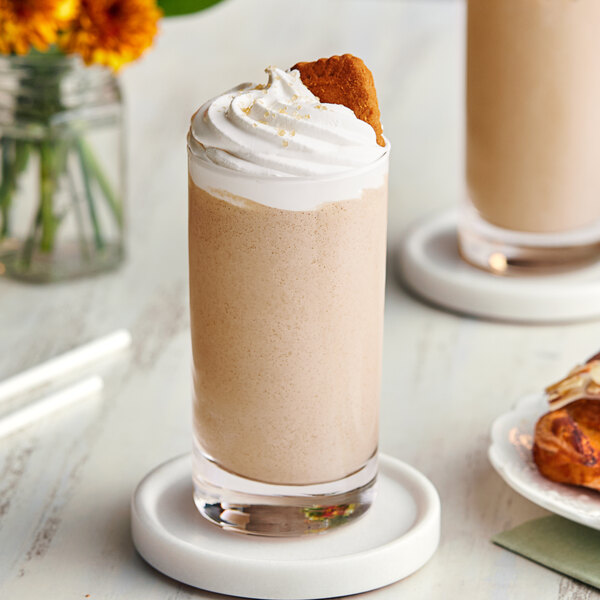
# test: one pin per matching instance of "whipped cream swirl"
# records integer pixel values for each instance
(280, 130)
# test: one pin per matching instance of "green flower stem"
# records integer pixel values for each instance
(15, 154)
(21, 156)
(31, 238)
(47, 187)
(85, 251)
(98, 239)
(96, 171)
(6, 187)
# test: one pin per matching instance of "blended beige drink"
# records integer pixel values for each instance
(287, 239)
(533, 121)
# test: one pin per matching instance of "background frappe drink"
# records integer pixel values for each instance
(533, 124)
(287, 273)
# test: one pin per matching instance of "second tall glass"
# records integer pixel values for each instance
(533, 135)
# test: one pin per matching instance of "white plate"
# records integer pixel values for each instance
(510, 454)
(396, 536)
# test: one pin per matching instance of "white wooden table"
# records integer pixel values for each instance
(65, 484)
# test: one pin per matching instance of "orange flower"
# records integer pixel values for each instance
(112, 32)
(27, 23)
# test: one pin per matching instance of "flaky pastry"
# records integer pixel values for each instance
(566, 445)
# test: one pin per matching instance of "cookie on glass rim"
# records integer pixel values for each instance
(344, 80)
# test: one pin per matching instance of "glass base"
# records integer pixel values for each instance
(504, 252)
(256, 508)
(70, 261)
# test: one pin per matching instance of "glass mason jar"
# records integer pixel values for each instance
(533, 123)
(61, 168)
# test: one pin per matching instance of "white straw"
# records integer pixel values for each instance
(41, 408)
(64, 364)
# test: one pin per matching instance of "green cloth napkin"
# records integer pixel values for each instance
(559, 544)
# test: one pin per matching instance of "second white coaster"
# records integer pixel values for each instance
(397, 536)
(430, 266)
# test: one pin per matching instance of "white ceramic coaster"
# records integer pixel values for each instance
(397, 536)
(429, 264)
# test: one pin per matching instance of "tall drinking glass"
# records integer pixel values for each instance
(286, 295)
(533, 135)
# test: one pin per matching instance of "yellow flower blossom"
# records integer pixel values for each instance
(112, 32)
(33, 23)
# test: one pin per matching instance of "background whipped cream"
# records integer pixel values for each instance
(281, 129)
